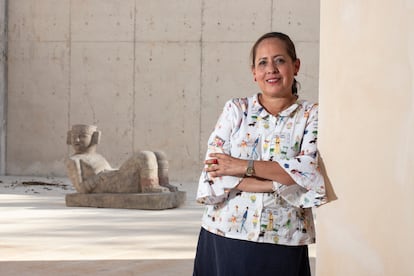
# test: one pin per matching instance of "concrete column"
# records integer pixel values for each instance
(3, 84)
(366, 137)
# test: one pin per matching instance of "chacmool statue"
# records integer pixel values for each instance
(90, 172)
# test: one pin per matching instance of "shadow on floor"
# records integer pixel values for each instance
(97, 267)
(182, 267)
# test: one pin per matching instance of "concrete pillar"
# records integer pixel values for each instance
(367, 137)
(3, 84)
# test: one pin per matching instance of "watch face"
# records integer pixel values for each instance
(249, 171)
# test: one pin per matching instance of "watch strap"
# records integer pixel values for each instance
(250, 168)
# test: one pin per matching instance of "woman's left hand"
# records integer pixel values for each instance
(222, 164)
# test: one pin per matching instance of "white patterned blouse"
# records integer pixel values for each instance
(246, 130)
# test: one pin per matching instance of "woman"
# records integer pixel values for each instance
(261, 176)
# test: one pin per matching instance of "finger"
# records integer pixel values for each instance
(212, 155)
(211, 167)
(213, 174)
(211, 161)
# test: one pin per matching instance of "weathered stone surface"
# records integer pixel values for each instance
(143, 201)
(90, 172)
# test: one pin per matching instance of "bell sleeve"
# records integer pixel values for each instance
(214, 190)
(309, 190)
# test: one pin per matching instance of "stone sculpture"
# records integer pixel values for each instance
(145, 172)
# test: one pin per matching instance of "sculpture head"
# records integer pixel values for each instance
(83, 138)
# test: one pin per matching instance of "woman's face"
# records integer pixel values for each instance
(274, 69)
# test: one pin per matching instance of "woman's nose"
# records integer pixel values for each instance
(273, 67)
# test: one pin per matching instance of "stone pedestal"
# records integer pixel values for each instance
(143, 201)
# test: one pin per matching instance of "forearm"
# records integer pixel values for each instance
(265, 174)
(255, 185)
(272, 171)
(223, 164)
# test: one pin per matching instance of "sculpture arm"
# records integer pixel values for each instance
(81, 174)
(75, 174)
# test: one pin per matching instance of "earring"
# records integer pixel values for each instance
(255, 79)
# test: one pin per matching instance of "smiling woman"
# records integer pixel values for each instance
(274, 66)
(261, 178)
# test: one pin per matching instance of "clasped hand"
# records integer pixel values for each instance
(222, 164)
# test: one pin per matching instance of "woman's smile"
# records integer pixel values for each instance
(273, 80)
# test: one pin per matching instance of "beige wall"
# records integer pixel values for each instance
(151, 74)
(366, 138)
(3, 84)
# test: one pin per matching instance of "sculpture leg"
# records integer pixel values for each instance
(163, 171)
(148, 176)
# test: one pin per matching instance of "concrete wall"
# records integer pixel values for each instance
(366, 138)
(3, 84)
(151, 74)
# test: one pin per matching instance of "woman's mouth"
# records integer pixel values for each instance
(274, 80)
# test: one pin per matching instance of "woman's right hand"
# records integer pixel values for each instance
(222, 164)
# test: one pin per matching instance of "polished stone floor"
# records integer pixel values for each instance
(39, 235)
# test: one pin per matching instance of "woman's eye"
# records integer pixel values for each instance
(262, 63)
(279, 61)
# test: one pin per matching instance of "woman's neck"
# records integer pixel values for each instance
(276, 105)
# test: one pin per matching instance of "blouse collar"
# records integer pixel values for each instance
(284, 113)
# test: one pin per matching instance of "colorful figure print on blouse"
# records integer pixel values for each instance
(266, 217)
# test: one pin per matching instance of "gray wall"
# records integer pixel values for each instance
(151, 74)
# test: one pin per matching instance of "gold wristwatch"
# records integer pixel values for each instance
(250, 168)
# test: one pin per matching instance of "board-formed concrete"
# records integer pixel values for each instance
(150, 74)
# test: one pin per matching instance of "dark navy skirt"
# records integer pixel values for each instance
(220, 256)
